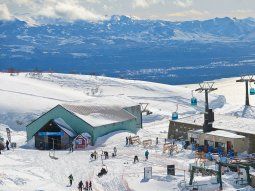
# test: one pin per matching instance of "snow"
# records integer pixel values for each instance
(86, 135)
(65, 127)
(97, 115)
(199, 36)
(225, 134)
(24, 98)
(224, 122)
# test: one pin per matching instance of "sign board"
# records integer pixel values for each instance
(171, 170)
(147, 173)
(8, 134)
(51, 133)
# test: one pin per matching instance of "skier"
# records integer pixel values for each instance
(136, 159)
(130, 140)
(87, 185)
(95, 155)
(70, 179)
(115, 151)
(106, 155)
(157, 141)
(80, 186)
(7, 145)
(126, 141)
(146, 154)
(71, 147)
(90, 185)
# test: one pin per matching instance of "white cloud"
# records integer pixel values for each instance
(68, 10)
(145, 3)
(183, 3)
(144, 9)
(93, 1)
(4, 13)
(192, 14)
(242, 13)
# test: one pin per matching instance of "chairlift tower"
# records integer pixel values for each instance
(207, 87)
(247, 80)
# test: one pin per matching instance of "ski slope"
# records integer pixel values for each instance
(23, 98)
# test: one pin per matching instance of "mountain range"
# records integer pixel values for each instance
(153, 50)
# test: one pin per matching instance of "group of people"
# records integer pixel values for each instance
(81, 186)
(87, 186)
(102, 172)
(128, 141)
(105, 154)
(6, 145)
(94, 155)
(146, 154)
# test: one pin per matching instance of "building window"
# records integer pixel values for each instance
(219, 144)
(209, 143)
(193, 140)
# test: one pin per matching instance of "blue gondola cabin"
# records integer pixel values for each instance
(252, 91)
(174, 116)
(193, 101)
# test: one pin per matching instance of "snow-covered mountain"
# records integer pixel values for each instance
(126, 47)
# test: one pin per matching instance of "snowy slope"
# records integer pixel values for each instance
(234, 94)
(24, 98)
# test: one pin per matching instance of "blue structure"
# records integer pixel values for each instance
(64, 122)
(231, 154)
(193, 101)
(252, 91)
(174, 116)
(219, 151)
(210, 149)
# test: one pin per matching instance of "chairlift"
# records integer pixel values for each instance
(252, 91)
(175, 114)
(193, 100)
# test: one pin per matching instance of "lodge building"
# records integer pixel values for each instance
(242, 129)
(58, 127)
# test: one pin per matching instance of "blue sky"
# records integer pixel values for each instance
(174, 10)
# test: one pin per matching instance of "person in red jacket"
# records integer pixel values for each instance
(86, 185)
(90, 185)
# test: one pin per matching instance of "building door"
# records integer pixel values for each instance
(229, 146)
(54, 142)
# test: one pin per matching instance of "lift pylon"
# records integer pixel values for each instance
(247, 80)
(207, 87)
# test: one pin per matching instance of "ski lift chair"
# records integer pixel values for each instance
(193, 101)
(252, 91)
(174, 116)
